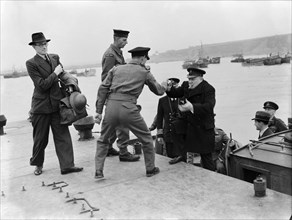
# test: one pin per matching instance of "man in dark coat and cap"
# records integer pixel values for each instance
(197, 103)
(275, 124)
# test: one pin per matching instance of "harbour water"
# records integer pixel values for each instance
(240, 92)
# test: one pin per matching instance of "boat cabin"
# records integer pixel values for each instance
(269, 157)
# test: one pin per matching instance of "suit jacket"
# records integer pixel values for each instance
(47, 93)
(266, 133)
(165, 108)
(200, 137)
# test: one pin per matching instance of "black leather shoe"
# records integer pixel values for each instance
(176, 160)
(112, 152)
(128, 157)
(152, 172)
(98, 174)
(71, 170)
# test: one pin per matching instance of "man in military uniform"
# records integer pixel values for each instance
(275, 124)
(113, 56)
(121, 88)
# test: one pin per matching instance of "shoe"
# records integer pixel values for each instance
(176, 160)
(128, 157)
(152, 172)
(98, 174)
(71, 170)
(112, 152)
(38, 170)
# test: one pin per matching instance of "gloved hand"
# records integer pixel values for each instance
(186, 107)
(97, 118)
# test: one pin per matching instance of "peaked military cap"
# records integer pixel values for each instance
(175, 80)
(194, 70)
(38, 38)
(121, 33)
(140, 51)
(262, 116)
(271, 105)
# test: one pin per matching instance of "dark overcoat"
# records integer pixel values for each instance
(200, 136)
(165, 108)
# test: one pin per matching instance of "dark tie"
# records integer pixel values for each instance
(47, 59)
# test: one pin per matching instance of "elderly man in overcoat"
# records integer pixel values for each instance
(197, 103)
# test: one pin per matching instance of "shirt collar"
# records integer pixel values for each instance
(42, 56)
(116, 49)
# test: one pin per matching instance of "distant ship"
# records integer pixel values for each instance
(201, 62)
(15, 74)
(86, 73)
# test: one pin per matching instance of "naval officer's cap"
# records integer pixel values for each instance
(194, 71)
(271, 105)
(140, 51)
(121, 33)
(176, 80)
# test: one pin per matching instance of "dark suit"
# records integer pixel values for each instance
(267, 132)
(45, 112)
(200, 136)
(174, 142)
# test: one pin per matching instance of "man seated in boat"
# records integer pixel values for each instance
(261, 121)
(275, 124)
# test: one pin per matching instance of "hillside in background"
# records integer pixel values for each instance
(259, 46)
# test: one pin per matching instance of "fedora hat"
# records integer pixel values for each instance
(78, 101)
(262, 116)
(38, 38)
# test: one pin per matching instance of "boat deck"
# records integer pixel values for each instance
(179, 191)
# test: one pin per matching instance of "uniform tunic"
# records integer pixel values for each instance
(121, 88)
(277, 125)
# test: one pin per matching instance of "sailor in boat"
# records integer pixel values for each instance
(275, 124)
(261, 121)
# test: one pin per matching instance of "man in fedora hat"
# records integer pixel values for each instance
(113, 56)
(121, 89)
(261, 121)
(275, 124)
(45, 70)
(197, 107)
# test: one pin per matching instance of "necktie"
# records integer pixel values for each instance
(47, 59)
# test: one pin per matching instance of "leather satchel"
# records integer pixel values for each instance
(67, 113)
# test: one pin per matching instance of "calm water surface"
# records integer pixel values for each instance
(240, 92)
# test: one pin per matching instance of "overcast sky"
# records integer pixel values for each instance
(80, 31)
